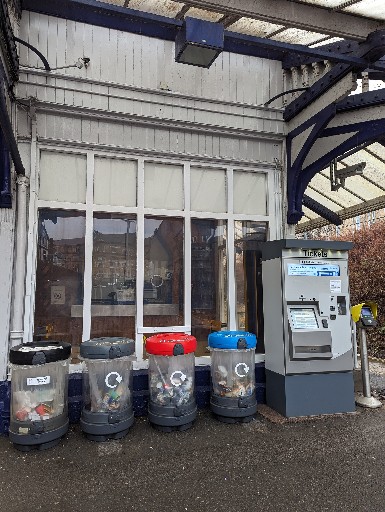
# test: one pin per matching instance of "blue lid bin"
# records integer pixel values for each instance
(107, 388)
(233, 396)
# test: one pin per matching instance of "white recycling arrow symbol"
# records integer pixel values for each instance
(119, 379)
(238, 370)
(177, 378)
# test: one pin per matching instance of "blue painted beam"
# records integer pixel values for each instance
(151, 25)
(5, 175)
(321, 210)
(294, 169)
(6, 125)
(364, 132)
(107, 15)
(363, 100)
(371, 51)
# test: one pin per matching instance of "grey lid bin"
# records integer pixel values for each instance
(233, 395)
(39, 394)
(107, 388)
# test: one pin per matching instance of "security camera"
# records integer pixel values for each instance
(351, 170)
(338, 176)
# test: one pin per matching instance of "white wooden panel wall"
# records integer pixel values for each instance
(124, 135)
(145, 62)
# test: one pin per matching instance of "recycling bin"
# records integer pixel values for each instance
(39, 385)
(233, 396)
(107, 388)
(171, 374)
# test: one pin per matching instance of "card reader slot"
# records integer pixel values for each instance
(312, 349)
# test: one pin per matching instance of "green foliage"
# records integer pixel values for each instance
(367, 277)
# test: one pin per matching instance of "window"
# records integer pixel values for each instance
(163, 287)
(163, 186)
(115, 182)
(151, 246)
(113, 296)
(62, 177)
(59, 276)
(209, 306)
(208, 190)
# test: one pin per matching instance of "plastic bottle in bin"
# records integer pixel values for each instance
(171, 374)
(39, 405)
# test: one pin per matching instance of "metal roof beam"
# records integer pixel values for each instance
(152, 25)
(298, 15)
(347, 213)
(370, 52)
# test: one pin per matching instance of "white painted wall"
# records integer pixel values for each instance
(144, 62)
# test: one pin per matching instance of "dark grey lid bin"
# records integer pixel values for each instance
(39, 403)
(107, 388)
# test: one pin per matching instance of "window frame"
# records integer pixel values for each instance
(273, 206)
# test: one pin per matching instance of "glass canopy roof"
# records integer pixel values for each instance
(311, 23)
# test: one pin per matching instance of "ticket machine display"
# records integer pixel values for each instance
(308, 348)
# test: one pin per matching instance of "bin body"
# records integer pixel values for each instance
(171, 374)
(107, 388)
(39, 390)
(233, 394)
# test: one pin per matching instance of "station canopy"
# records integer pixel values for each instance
(312, 23)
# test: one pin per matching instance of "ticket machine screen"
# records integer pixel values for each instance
(303, 318)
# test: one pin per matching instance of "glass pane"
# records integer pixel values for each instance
(248, 277)
(115, 182)
(62, 177)
(250, 193)
(208, 279)
(113, 276)
(163, 293)
(163, 186)
(59, 277)
(208, 190)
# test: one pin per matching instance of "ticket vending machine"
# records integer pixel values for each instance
(307, 327)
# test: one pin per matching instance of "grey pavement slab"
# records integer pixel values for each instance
(335, 463)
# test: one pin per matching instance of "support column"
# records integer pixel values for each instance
(16, 335)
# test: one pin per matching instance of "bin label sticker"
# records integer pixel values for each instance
(118, 380)
(37, 349)
(38, 381)
(241, 369)
(177, 378)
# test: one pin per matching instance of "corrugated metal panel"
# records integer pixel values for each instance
(254, 27)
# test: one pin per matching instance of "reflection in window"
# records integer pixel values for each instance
(248, 277)
(208, 279)
(59, 276)
(113, 275)
(163, 293)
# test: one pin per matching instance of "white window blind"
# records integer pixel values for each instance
(163, 186)
(208, 190)
(62, 177)
(115, 182)
(250, 197)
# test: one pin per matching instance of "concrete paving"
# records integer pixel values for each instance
(329, 464)
(333, 463)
